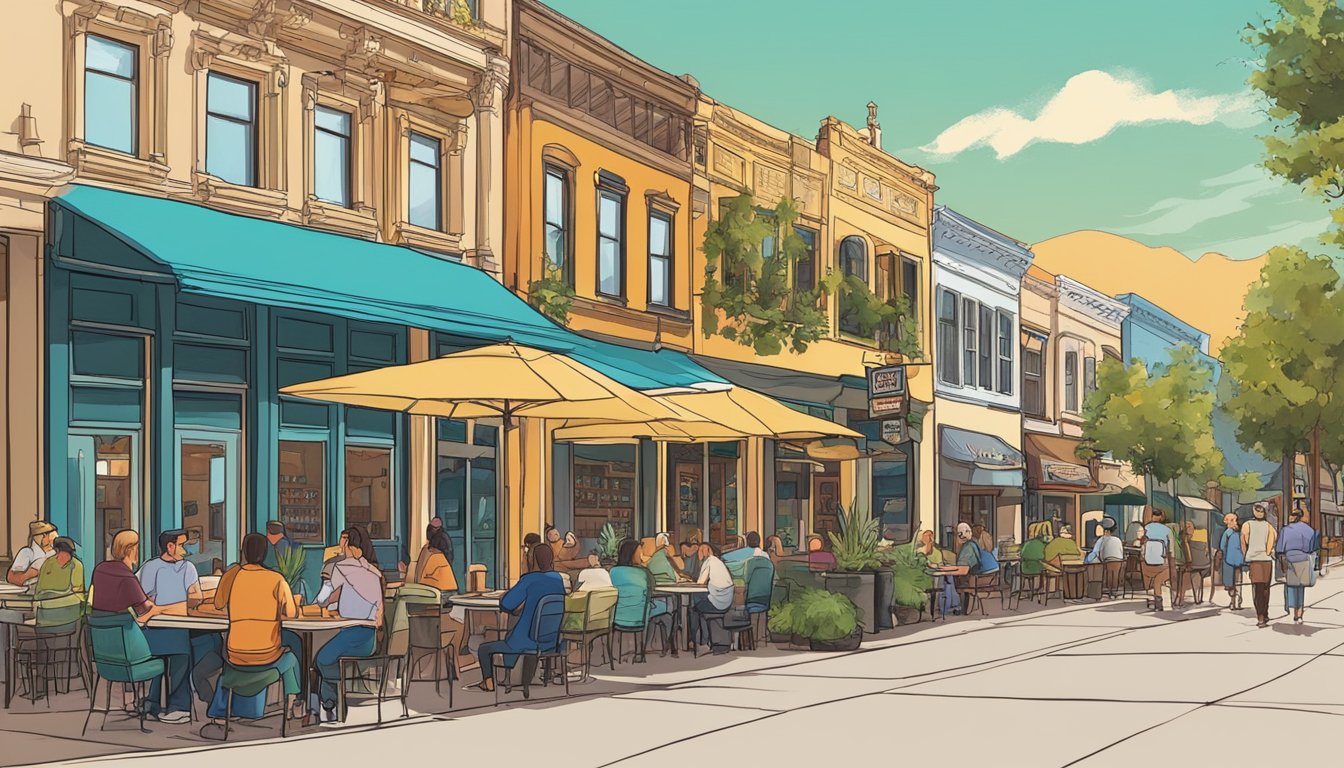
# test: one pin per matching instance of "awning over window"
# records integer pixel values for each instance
(266, 262)
(1053, 465)
(975, 458)
(1196, 503)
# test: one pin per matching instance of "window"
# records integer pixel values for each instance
(1071, 381)
(853, 263)
(1033, 376)
(368, 489)
(606, 489)
(910, 285)
(555, 219)
(1005, 353)
(331, 156)
(231, 129)
(302, 488)
(805, 268)
(424, 193)
(1089, 375)
(110, 94)
(970, 312)
(986, 347)
(947, 337)
(660, 259)
(611, 236)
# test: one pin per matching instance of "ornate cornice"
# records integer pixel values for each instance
(1091, 302)
(1146, 317)
(721, 118)
(959, 237)
(1040, 287)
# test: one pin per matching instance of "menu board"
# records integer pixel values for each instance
(604, 492)
(303, 490)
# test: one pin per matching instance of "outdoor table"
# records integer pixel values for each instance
(209, 620)
(683, 591)
(473, 602)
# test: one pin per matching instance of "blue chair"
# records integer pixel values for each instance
(760, 590)
(120, 655)
(545, 636)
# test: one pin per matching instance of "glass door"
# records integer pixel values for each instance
(464, 499)
(207, 498)
(105, 488)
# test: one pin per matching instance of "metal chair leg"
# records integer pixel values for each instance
(93, 702)
(228, 713)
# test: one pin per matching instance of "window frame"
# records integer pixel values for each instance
(611, 186)
(136, 81)
(943, 332)
(669, 258)
(254, 124)
(566, 226)
(987, 346)
(1004, 351)
(1034, 408)
(349, 160)
(811, 238)
(845, 261)
(1069, 378)
(970, 342)
(440, 218)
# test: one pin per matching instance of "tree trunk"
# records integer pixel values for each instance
(1312, 517)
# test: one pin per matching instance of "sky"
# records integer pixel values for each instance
(1039, 117)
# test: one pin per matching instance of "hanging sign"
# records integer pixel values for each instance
(886, 392)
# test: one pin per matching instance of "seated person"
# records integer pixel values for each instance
(28, 560)
(690, 559)
(62, 573)
(1032, 556)
(530, 543)
(256, 599)
(664, 563)
(1063, 548)
(774, 548)
(630, 582)
(1107, 548)
(713, 574)
(926, 546)
(818, 559)
(973, 564)
(357, 586)
(592, 577)
(170, 580)
(752, 549)
(521, 600)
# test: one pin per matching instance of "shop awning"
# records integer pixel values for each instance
(1196, 503)
(237, 257)
(1053, 465)
(975, 458)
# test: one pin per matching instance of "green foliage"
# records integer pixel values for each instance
(890, 321)
(911, 582)
(815, 614)
(1287, 363)
(608, 543)
(1302, 75)
(551, 294)
(289, 562)
(855, 546)
(753, 289)
(1159, 424)
(460, 13)
(1246, 482)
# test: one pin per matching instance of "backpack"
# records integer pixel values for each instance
(988, 562)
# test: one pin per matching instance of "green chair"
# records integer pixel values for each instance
(248, 682)
(120, 655)
(588, 620)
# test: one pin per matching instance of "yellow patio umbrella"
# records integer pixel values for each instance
(501, 380)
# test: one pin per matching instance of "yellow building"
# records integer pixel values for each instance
(861, 212)
(139, 393)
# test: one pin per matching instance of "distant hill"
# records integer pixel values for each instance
(1206, 293)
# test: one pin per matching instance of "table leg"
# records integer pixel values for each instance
(684, 601)
(306, 644)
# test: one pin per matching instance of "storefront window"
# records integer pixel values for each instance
(205, 499)
(303, 502)
(604, 489)
(368, 490)
(1058, 511)
(793, 486)
(891, 498)
(977, 509)
(686, 479)
(723, 520)
(826, 498)
(114, 473)
(464, 497)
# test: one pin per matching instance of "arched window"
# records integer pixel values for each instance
(853, 263)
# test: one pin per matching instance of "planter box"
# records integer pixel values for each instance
(907, 615)
(850, 643)
(861, 589)
(884, 590)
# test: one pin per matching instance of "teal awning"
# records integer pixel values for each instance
(265, 262)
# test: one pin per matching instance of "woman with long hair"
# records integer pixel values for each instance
(360, 585)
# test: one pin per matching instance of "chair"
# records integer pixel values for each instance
(120, 655)
(589, 619)
(48, 648)
(424, 618)
(1113, 578)
(546, 636)
(760, 591)
(242, 681)
(1198, 566)
(632, 616)
(393, 646)
(978, 586)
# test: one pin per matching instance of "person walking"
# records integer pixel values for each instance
(1229, 547)
(1296, 548)
(1258, 538)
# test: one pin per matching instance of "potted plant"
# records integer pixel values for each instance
(910, 583)
(608, 545)
(781, 624)
(829, 621)
(857, 563)
(289, 562)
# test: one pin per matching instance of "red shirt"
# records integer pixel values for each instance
(116, 589)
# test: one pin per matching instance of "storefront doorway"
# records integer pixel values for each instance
(104, 473)
(465, 495)
(207, 495)
(702, 488)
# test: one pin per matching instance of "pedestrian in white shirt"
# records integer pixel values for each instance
(28, 561)
(713, 574)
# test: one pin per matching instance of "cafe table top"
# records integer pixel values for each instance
(11, 589)
(681, 588)
(219, 622)
(487, 600)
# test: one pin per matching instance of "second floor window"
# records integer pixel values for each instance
(110, 85)
(1071, 381)
(425, 183)
(331, 156)
(986, 347)
(611, 236)
(1033, 375)
(805, 268)
(853, 263)
(1005, 353)
(660, 259)
(555, 218)
(231, 129)
(948, 369)
(970, 314)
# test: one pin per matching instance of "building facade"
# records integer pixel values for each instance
(140, 385)
(977, 280)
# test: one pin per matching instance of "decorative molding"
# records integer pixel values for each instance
(661, 200)
(494, 80)
(271, 17)
(634, 319)
(1151, 319)
(1043, 288)
(106, 165)
(729, 163)
(1091, 302)
(847, 177)
(359, 222)
(30, 169)
(770, 184)
(409, 234)
(959, 237)
(807, 191)
(722, 119)
(250, 201)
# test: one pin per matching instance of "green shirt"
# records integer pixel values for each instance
(1032, 554)
(660, 565)
(1066, 549)
(54, 580)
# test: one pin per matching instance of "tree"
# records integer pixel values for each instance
(1287, 363)
(1302, 74)
(1161, 424)
(751, 286)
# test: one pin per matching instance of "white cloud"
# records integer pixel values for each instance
(1228, 194)
(1089, 106)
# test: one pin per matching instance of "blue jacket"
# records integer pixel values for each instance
(525, 595)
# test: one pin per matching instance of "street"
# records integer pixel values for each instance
(1089, 684)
